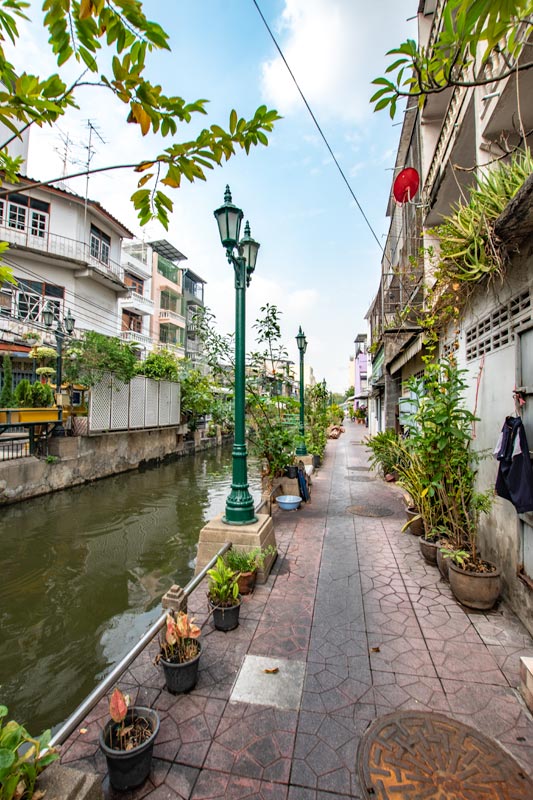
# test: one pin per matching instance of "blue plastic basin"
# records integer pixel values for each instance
(288, 502)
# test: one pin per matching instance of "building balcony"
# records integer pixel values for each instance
(172, 317)
(177, 349)
(137, 303)
(139, 338)
(51, 244)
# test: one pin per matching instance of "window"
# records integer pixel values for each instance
(131, 322)
(100, 245)
(21, 212)
(30, 297)
(135, 283)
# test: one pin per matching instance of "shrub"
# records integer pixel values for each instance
(6, 396)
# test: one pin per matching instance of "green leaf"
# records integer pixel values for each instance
(7, 758)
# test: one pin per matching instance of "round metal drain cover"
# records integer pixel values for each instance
(418, 755)
(370, 511)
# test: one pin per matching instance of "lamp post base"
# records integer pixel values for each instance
(301, 450)
(217, 532)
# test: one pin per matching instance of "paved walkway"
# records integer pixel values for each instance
(354, 610)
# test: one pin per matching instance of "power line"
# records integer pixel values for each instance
(321, 132)
(81, 313)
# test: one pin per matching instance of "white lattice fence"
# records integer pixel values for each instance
(142, 403)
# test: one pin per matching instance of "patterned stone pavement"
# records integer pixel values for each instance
(378, 631)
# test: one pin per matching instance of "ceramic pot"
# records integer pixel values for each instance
(478, 590)
(429, 550)
(443, 564)
(181, 677)
(225, 619)
(417, 526)
(129, 768)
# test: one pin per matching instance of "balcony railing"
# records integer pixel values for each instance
(177, 349)
(53, 244)
(137, 302)
(165, 315)
(140, 338)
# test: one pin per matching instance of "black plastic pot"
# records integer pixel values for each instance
(225, 619)
(316, 461)
(292, 471)
(181, 677)
(129, 768)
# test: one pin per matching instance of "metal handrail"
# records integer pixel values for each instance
(99, 691)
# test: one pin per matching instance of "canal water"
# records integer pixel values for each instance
(83, 572)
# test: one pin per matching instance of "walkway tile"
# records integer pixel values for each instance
(378, 630)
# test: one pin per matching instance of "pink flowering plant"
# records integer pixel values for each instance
(180, 641)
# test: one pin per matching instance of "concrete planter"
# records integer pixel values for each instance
(478, 590)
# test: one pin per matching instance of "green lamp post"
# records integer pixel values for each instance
(301, 341)
(240, 503)
(61, 331)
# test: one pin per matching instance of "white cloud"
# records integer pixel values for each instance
(334, 48)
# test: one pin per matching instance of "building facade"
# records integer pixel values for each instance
(455, 135)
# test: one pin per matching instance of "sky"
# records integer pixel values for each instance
(318, 262)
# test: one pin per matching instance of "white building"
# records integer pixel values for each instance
(64, 252)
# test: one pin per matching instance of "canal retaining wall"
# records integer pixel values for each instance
(75, 460)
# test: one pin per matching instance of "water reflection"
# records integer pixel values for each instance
(83, 573)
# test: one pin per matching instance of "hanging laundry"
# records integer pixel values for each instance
(514, 481)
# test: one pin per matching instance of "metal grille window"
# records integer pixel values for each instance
(496, 330)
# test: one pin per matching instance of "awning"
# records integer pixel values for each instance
(406, 355)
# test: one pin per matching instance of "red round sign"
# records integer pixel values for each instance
(406, 185)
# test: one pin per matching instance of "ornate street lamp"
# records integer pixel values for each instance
(60, 333)
(240, 503)
(301, 341)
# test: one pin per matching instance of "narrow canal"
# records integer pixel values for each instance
(83, 572)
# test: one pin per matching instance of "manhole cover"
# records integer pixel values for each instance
(359, 469)
(370, 511)
(418, 755)
(361, 478)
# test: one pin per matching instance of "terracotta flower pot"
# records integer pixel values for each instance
(478, 590)
(246, 582)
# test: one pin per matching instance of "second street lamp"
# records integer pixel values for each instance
(240, 503)
(60, 333)
(301, 341)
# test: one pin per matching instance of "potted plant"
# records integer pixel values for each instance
(246, 563)
(127, 742)
(180, 653)
(31, 338)
(21, 758)
(475, 582)
(223, 596)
